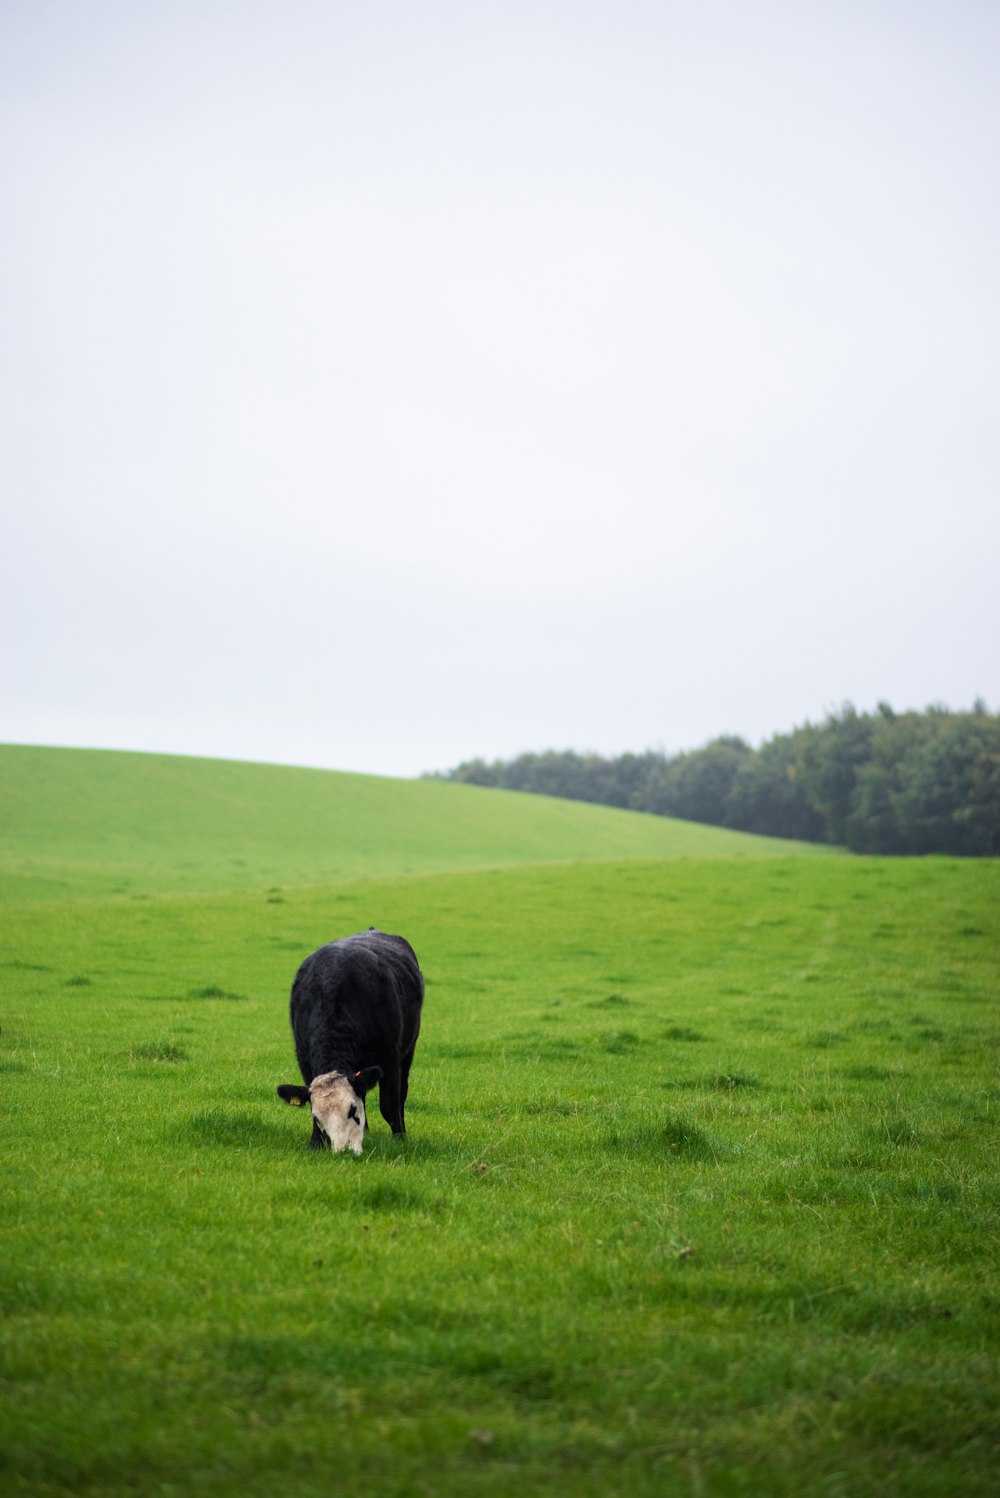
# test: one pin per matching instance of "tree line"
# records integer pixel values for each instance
(882, 782)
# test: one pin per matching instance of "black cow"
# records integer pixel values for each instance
(355, 1013)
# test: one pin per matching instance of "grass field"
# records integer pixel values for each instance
(700, 1194)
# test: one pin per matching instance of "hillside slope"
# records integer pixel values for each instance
(93, 822)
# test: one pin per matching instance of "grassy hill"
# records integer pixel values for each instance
(95, 822)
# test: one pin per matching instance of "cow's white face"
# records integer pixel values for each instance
(339, 1112)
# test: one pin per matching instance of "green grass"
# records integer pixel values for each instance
(90, 822)
(699, 1194)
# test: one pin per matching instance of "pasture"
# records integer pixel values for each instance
(700, 1193)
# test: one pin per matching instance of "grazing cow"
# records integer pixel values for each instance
(355, 1013)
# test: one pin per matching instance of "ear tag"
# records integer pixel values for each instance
(296, 1102)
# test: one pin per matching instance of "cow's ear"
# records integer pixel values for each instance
(366, 1078)
(297, 1096)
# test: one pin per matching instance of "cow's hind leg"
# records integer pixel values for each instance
(390, 1100)
(404, 1076)
(404, 1070)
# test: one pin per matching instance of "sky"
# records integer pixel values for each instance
(386, 383)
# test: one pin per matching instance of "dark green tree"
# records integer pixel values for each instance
(768, 795)
(877, 783)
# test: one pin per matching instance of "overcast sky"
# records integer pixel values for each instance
(388, 382)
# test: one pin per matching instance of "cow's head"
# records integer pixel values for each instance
(338, 1105)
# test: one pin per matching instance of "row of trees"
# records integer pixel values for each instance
(881, 782)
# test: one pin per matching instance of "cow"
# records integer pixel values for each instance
(355, 1013)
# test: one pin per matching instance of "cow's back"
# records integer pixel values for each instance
(356, 1000)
